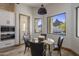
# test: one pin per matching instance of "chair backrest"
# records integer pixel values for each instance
(60, 41)
(36, 49)
(44, 35)
(26, 40)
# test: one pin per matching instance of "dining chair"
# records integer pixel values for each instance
(58, 46)
(36, 49)
(26, 42)
(44, 35)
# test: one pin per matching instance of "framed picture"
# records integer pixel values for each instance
(57, 24)
(77, 21)
(38, 25)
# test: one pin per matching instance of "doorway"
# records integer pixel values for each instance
(24, 26)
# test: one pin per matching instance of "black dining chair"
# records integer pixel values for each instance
(36, 49)
(26, 42)
(44, 35)
(58, 46)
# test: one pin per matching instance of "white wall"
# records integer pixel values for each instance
(22, 9)
(75, 41)
(70, 41)
(44, 22)
(57, 9)
(35, 15)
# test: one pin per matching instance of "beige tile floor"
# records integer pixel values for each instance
(19, 51)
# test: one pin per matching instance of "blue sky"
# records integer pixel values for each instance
(39, 21)
(60, 17)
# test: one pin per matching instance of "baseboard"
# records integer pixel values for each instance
(9, 48)
(70, 50)
(18, 44)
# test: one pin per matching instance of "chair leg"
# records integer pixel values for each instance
(60, 52)
(44, 52)
(25, 50)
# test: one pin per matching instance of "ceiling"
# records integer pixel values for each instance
(37, 4)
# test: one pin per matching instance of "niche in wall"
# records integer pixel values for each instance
(24, 26)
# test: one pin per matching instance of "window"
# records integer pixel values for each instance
(57, 24)
(38, 25)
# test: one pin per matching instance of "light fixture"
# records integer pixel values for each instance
(42, 10)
